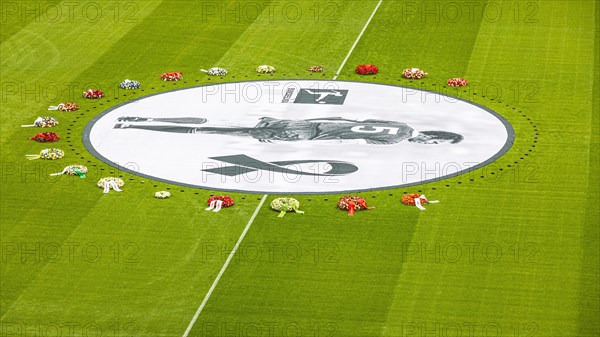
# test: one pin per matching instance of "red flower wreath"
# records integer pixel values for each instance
(409, 199)
(174, 76)
(227, 200)
(93, 94)
(352, 203)
(46, 137)
(457, 82)
(367, 69)
(316, 69)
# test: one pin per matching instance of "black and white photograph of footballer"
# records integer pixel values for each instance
(268, 129)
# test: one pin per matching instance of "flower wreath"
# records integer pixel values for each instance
(409, 199)
(367, 69)
(173, 76)
(284, 205)
(216, 202)
(265, 69)
(413, 73)
(130, 84)
(416, 199)
(46, 137)
(73, 170)
(111, 182)
(457, 82)
(93, 94)
(69, 106)
(42, 122)
(216, 71)
(353, 203)
(227, 200)
(47, 154)
(316, 69)
(162, 195)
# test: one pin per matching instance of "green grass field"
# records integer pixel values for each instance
(511, 250)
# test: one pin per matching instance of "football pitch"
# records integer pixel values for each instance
(511, 249)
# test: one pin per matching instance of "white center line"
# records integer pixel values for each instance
(357, 39)
(216, 281)
(262, 201)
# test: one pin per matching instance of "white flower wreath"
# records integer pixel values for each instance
(162, 195)
(265, 69)
(102, 182)
(216, 71)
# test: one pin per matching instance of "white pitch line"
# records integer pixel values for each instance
(229, 258)
(357, 39)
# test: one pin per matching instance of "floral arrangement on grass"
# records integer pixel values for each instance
(216, 71)
(130, 84)
(414, 74)
(42, 122)
(47, 154)
(69, 106)
(265, 69)
(227, 200)
(284, 205)
(457, 82)
(46, 137)
(316, 69)
(162, 195)
(173, 76)
(417, 199)
(111, 183)
(367, 69)
(73, 170)
(216, 202)
(352, 204)
(93, 94)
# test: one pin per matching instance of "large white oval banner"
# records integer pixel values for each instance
(300, 136)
